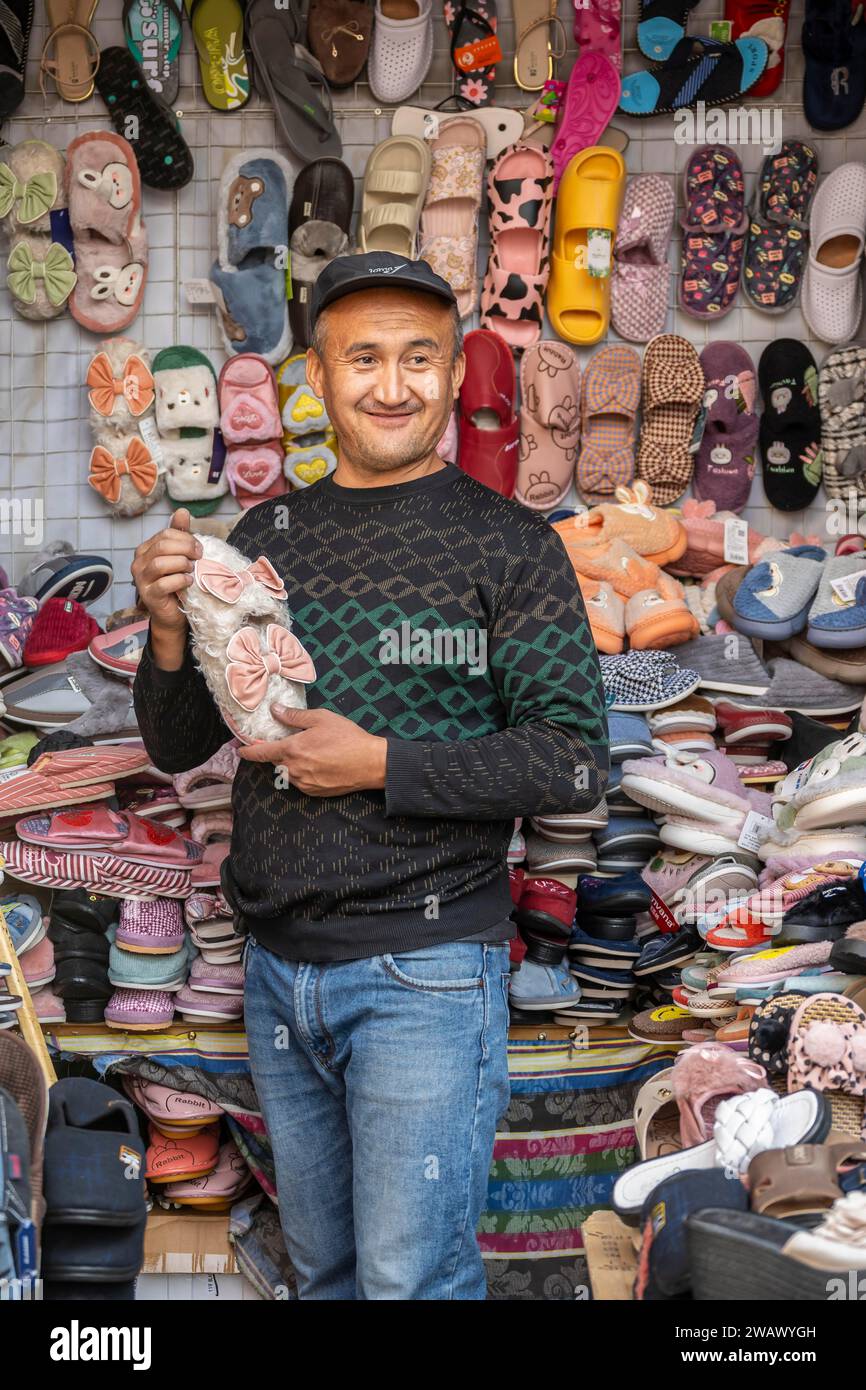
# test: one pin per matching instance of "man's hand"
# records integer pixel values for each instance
(162, 571)
(328, 756)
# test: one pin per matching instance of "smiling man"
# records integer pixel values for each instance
(457, 687)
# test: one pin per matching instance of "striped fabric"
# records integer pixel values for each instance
(10, 22)
(695, 80)
(566, 1137)
(104, 873)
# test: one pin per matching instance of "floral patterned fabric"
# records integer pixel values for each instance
(478, 85)
(714, 232)
(778, 238)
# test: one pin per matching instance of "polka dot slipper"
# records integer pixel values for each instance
(141, 116)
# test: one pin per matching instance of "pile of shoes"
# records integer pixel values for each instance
(190, 1162)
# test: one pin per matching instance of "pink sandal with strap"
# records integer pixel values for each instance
(520, 193)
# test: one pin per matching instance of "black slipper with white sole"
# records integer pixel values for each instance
(663, 952)
(739, 1256)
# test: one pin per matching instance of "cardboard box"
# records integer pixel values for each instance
(188, 1242)
(611, 1256)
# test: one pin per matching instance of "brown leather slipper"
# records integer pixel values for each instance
(338, 36)
(320, 217)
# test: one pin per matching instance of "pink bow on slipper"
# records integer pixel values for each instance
(228, 584)
(250, 669)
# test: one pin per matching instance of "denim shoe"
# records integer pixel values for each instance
(537, 987)
(775, 596)
(625, 893)
(23, 917)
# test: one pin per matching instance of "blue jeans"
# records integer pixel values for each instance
(381, 1082)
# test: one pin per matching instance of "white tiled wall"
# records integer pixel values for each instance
(44, 433)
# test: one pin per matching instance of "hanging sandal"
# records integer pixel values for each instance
(75, 63)
(475, 50)
(395, 182)
(224, 75)
(164, 158)
(533, 55)
(154, 31)
(293, 82)
(449, 222)
(698, 70)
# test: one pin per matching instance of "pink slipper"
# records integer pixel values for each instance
(254, 472)
(598, 28)
(163, 1104)
(101, 873)
(591, 97)
(206, 874)
(49, 1007)
(249, 409)
(140, 1010)
(96, 828)
(209, 787)
(519, 190)
(549, 424)
(216, 1191)
(216, 979)
(641, 277)
(38, 964)
(152, 928)
(222, 1008)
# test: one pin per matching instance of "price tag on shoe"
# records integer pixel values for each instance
(736, 541)
(846, 587)
(483, 53)
(599, 244)
(199, 292)
(755, 825)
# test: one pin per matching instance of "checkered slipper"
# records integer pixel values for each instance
(645, 680)
(611, 391)
(641, 273)
(778, 236)
(842, 402)
(714, 231)
(673, 389)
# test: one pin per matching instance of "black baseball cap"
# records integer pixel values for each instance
(374, 270)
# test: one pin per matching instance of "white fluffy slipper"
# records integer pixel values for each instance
(832, 285)
(402, 48)
(242, 640)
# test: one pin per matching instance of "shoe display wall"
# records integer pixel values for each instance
(652, 216)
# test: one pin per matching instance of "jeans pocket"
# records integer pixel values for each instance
(449, 965)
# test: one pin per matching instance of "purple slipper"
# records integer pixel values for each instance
(725, 464)
(216, 979)
(221, 1008)
(714, 225)
(141, 1010)
(152, 926)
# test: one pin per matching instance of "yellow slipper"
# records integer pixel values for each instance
(587, 208)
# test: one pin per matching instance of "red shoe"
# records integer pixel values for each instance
(516, 878)
(767, 20)
(547, 907)
(752, 727)
(487, 420)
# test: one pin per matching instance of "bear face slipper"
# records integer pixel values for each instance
(725, 461)
(187, 413)
(249, 278)
(778, 236)
(714, 232)
(242, 640)
(790, 430)
(549, 424)
(103, 190)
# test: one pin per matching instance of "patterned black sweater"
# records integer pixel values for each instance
(448, 620)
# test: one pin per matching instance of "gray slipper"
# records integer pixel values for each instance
(726, 662)
(291, 79)
(797, 687)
